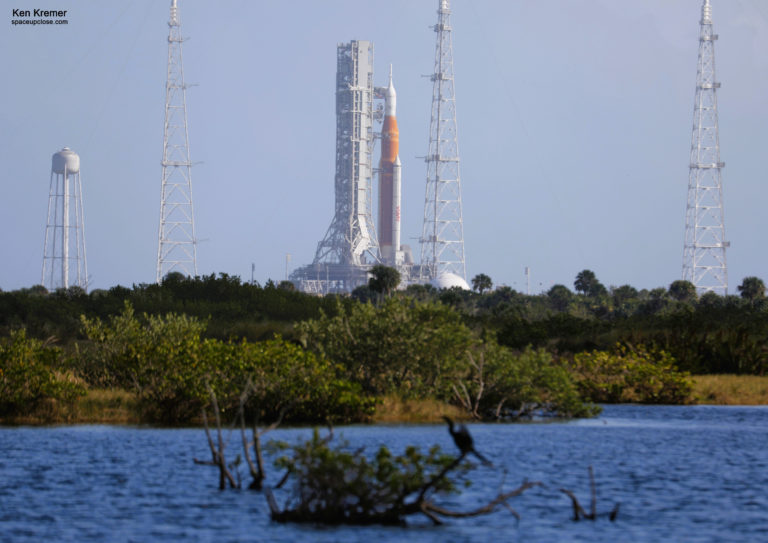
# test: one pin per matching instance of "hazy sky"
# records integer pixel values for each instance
(574, 122)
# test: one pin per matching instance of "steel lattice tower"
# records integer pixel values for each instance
(176, 247)
(442, 238)
(352, 233)
(704, 261)
(350, 245)
(64, 262)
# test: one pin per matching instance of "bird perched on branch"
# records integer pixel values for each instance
(464, 441)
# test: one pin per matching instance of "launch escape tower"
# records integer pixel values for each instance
(176, 246)
(704, 262)
(442, 238)
(64, 262)
(350, 245)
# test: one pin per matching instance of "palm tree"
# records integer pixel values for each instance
(384, 280)
(752, 289)
(683, 291)
(586, 282)
(481, 282)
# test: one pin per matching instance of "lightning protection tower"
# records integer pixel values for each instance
(704, 262)
(442, 238)
(176, 246)
(64, 262)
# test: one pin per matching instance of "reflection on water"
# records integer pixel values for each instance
(681, 474)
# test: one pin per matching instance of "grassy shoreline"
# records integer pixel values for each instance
(121, 407)
(730, 390)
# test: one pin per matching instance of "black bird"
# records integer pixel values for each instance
(463, 440)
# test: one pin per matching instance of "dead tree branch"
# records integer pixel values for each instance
(578, 510)
(464, 397)
(257, 471)
(501, 499)
(592, 494)
(217, 450)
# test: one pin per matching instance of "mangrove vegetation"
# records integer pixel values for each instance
(494, 354)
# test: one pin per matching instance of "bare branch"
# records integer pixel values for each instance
(509, 508)
(499, 406)
(615, 512)
(215, 405)
(254, 471)
(578, 511)
(460, 397)
(329, 437)
(593, 493)
(217, 452)
(439, 476)
(283, 480)
(434, 518)
(208, 435)
(273, 507)
(481, 385)
(489, 507)
(276, 423)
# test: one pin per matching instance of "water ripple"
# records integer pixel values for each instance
(681, 474)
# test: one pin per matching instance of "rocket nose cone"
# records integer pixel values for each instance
(391, 87)
(390, 96)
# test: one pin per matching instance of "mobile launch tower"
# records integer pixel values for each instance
(176, 245)
(64, 262)
(442, 237)
(350, 245)
(704, 262)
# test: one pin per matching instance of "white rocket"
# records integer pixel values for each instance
(390, 181)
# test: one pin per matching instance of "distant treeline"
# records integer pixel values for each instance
(498, 354)
(232, 309)
(705, 334)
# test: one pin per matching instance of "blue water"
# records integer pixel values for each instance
(681, 474)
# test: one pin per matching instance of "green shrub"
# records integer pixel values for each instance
(309, 387)
(631, 374)
(402, 346)
(507, 384)
(158, 358)
(166, 363)
(27, 375)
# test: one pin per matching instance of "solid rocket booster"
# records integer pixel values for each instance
(389, 179)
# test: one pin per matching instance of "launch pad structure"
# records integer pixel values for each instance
(350, 246)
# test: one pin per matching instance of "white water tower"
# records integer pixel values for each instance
(64, 262)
